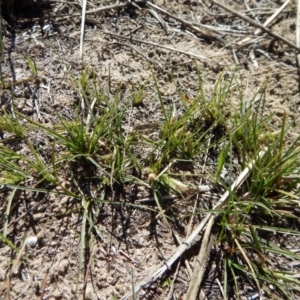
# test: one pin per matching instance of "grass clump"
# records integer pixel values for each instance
(93, 159)
(10, 124)
(260, 209)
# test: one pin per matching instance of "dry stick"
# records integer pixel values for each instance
(139, 52)
(298, 33)
(8, 283)
(188, 268)
(170, 295)
(154, 44)
(245, 18)
(193, 277)
(44, 285)
(82, 29)
(247, 261)
(93, 11)
(209, 246)
(152, 199)
(268, 21)
(201, 262)
(15, 267)
(202, 171)
(182, 248)
(27, 212)
(220, 287)
(87, 269)
(89, 116)
(158, 18)
(8, 209)
(251, 12)
(206, 34)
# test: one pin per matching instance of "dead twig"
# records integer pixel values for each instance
(206, 245)
(251, 12)
(186, 262)
(104, 8)
(155, 45)
(27, 212)
(170, 295)
(88, 12)
(152, 199)
(88, 268)
(158, 18)
(184, 246)
(139, 52)
(268, 21)
(8, 287)
(44, 285)
(15, 267)
(82, 29)
(208, 34)
(250, 21)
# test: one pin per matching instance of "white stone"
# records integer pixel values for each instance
(31, 241)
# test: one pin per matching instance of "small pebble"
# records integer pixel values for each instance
(31, 241)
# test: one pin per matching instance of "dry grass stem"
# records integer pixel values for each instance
(201, 261)
(83, 15)
(250, 21)
(267, 22)
(155, 45)
(137, 51)
(207, 33)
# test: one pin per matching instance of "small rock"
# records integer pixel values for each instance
(31, 241)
